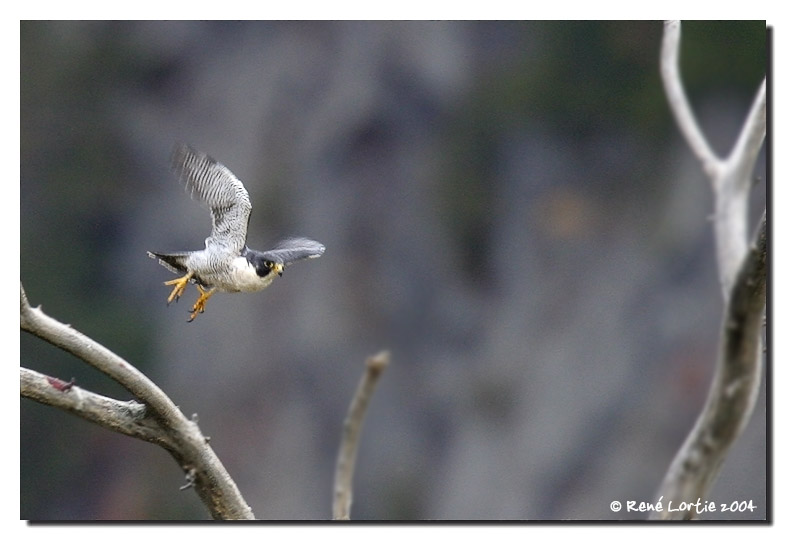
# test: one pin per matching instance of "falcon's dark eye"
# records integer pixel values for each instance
(265, 269)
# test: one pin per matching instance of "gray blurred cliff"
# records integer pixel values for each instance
(507, 207)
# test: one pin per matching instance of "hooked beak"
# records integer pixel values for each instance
(278, 268)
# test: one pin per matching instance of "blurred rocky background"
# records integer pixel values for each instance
(507, 207)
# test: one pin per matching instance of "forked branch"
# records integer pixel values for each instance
(155, 418)
(743, 278)
(730, 177)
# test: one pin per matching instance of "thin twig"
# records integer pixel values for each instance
(345, 466)
(746, 150)
(181, 437)
(675, 93)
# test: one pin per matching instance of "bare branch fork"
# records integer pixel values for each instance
(730, 178)
(743, 276)
(154, 418)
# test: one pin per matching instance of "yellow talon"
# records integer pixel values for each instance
(180, 286)
(199, 306)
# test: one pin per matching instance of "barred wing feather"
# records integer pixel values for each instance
(212, 184)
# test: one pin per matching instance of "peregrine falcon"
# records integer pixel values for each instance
(226, 264)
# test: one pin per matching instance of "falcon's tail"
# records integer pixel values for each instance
(174, 262)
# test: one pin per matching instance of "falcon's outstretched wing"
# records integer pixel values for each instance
(294, 249)
(211, 183)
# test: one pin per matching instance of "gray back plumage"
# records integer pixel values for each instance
(213, 185)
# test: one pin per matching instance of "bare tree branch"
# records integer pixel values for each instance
(127, 417)
(732, 186)
(675, 93)
(745, 152)
(743, 278)
(730, 177)
(156, 419)
(345, 466)
(34, 321)
(733, 391)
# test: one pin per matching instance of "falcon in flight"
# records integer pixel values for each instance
(226, 264)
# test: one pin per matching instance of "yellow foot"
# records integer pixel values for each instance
(180, 286)
(199, 306)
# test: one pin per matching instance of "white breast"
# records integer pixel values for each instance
(245, 278)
